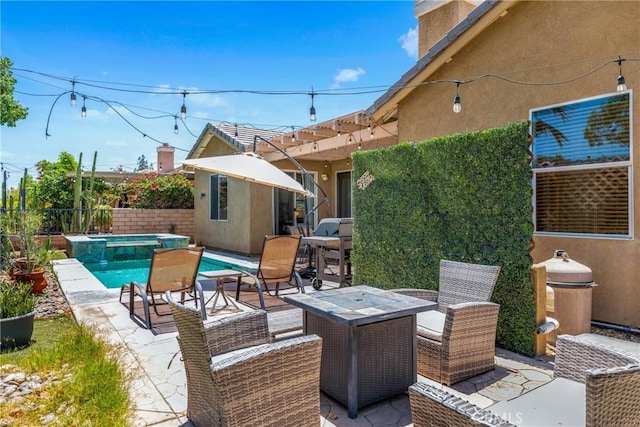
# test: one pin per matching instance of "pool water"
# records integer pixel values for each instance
(114, 274)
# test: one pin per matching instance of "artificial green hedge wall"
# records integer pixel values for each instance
(464, 197)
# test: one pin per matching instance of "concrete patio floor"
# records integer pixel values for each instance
(158, 381)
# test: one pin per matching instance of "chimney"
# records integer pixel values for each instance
(165, 158)
(436, 18)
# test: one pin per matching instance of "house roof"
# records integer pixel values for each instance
(238, 137)
(478, 19)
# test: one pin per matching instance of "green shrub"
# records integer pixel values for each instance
(464, 197)
(16, 299)
(153, 191)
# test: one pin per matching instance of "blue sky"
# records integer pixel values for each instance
(155, 47)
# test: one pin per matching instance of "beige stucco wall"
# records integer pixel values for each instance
(545, 42)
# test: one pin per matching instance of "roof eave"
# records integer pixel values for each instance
(480, 18)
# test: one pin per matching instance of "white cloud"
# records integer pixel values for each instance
(409, 42)
(346, 75)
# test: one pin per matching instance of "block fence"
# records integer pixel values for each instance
(142, 221)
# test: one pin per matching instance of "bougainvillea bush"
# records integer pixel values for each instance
(153, 191)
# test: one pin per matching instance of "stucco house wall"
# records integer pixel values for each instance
(538, 41)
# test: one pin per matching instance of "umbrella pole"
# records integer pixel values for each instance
(305, 174)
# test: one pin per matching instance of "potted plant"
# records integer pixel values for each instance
(17, 311)
(34, 255)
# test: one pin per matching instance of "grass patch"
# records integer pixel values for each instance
(85, 384)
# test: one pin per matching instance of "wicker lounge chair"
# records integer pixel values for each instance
(235, 377)
(277, 265)
(594, 385)
(458, 340)
(174, 270)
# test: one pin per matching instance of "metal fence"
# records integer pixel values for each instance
(59, 221)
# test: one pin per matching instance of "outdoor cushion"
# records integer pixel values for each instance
(431, 324)
(241, 352)
(558, 402)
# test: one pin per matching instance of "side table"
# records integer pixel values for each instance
(219, 276)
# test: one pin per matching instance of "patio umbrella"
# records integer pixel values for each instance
(249, 167)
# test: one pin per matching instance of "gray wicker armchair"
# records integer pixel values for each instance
(235, 377)
(458, 340)
(594, 385)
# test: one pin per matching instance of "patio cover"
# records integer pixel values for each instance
(248, 167)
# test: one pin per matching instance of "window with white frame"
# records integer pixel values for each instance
(218, 190)
(582, 168)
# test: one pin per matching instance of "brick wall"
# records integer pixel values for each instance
(142, 221)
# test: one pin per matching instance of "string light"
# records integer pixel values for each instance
(83, 112)
(235, 134)
(338, 124)
(74, 99)
(183, 109)
(312, 110)
(293, 134)
(622, 84)
(457, 106)
(175, 126)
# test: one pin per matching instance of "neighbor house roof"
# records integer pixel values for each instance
(236, 136)
(478, 19)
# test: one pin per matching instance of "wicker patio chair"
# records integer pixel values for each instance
(277, 265)
(593, 385)
(457, 341)
(235, 377)
(172, 269)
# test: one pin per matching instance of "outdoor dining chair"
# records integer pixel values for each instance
(236, 377)
(276, 267)
(457, 341)
(593, 385)
(174, 270)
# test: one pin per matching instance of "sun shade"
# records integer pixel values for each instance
(248, 167)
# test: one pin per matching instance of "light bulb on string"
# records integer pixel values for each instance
(175, 126)
(312, 110)
(74, 99)
(622, 84)
(83, 112)
(293, 134)
(457, 106)
(183, 109)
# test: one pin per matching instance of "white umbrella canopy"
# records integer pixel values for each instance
(248, 167)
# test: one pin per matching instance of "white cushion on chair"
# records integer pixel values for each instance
(558, 402)
(431, 324)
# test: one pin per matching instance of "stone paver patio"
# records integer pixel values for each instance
(158, 381)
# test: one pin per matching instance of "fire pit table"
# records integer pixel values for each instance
(369, 349)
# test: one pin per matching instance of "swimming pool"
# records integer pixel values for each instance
(113, 274)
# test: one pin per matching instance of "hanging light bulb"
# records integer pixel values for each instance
(74, 99)
(457, 106)
(370, 131)
(312, 110)
(622, 84)
(339, 131)
(183, 109)
(293, 134)
(83, 112)
(175, 125)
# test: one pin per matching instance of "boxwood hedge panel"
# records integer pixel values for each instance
(464, 197)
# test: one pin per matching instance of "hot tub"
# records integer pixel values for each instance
(121, 247)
